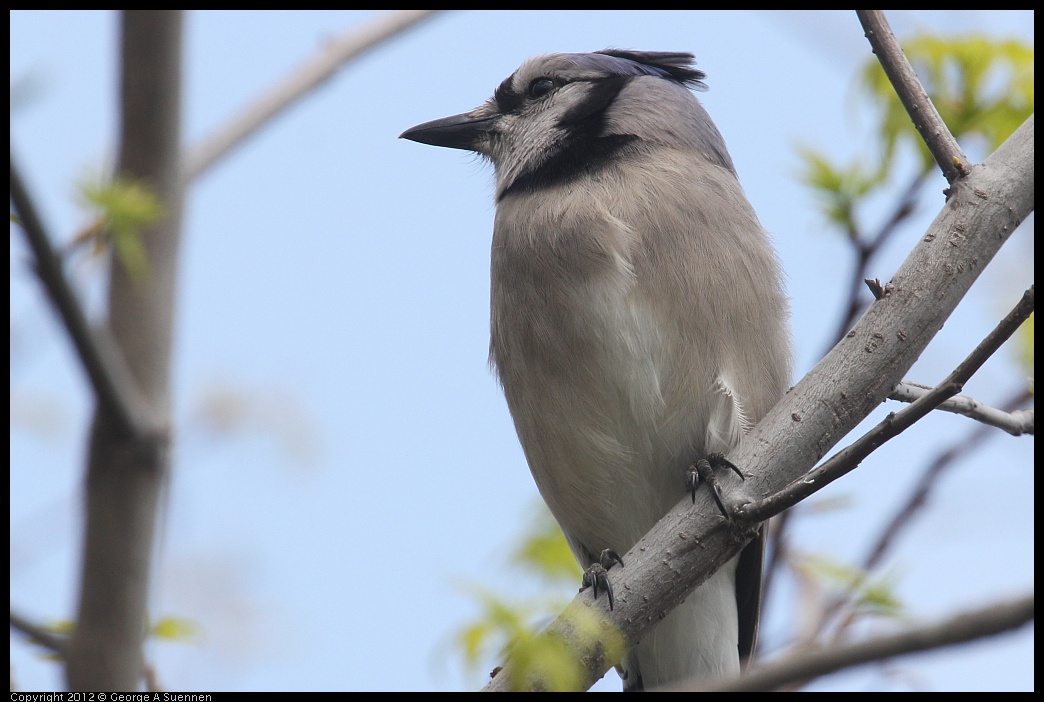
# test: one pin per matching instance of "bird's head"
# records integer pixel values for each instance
(560, 115)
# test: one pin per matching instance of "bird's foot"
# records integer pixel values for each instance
(702, 471)
(597, 574)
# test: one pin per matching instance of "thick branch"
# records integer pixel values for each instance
(944, 147)
(866, 247)
(125, 475)
(313, 73)
(848, 458)
(690, 543)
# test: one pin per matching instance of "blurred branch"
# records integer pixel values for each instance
(846, 460)
(313, 73)
(114, 387)
(128, 361)
(961, 628)
(865, 251)
(926, 119)
(125, 475)
(915, 502)
(38, 635)
(919, 496)
(1015, 422)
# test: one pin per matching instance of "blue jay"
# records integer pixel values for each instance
(638, 319)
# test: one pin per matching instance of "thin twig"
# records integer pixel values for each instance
(894, 424)
(915, 502)
(944, 147)
(918, 497)
(38, 635)
(106, 369)
(967, 626)
(306, 77)
(1016, 423)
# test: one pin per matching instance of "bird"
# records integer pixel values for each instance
(638, 319)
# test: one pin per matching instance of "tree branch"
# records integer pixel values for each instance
(926, 119)
(1016, 422)
(113, 385)
(125, 476)
(865, 249)
(918, 498)
(690, 543)
(313, 73)
(37, 634)
(894, 424)
(967, 626)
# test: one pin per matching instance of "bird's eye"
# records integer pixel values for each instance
(540, 87)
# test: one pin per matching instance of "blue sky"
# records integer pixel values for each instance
(333, 312)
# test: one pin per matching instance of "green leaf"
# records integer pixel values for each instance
(61, 626)
(546, 657)
(865, 595)
(544, 551)
(838, 189)
(1024, 339)
(982, 88)
(507, 630)
(175, 629)
(499, 623)
(126, 207)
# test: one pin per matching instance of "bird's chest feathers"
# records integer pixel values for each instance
(569, 327)
(563, 287)
(580, 353)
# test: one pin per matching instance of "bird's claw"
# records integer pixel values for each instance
(597, 574)
(702, 471)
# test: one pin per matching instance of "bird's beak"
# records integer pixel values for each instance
(462, 131)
